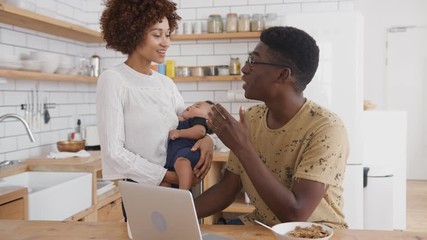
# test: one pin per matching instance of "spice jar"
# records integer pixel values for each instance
(257, 22)
(223, 70)
(170, 68)
(231, 22)
(244, 24)
(215, 23)
(182, 71)
(95, 69)
(234, 66)
(197, 71)
(270, 20)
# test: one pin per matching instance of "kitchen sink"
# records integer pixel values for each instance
(54, 195)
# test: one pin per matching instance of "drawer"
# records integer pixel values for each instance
(14, 210)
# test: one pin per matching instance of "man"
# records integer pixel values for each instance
(289, 153)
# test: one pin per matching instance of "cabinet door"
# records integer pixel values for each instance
(14, 210)
(111, 212)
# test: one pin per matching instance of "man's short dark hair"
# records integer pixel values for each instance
(296, 48)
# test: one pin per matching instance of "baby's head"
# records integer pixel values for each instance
(198, 109)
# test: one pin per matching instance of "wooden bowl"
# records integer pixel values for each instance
(70, 146)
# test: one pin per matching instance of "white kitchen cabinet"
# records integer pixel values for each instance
(384, 151)
(353, 195)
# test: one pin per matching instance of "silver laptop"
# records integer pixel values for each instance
(158, 213)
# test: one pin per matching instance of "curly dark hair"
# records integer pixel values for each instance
(296, 48)
(125, 22)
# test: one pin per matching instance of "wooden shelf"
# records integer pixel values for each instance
(34, 21)
(214, 36)
(15, 74)
(208, 78)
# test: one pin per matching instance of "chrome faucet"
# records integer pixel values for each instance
(12, 115)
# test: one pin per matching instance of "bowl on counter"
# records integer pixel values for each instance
(71, 146)
(301, 230)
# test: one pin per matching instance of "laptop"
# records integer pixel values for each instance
(155, 212)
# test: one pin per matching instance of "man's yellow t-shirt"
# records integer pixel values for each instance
(313, 145)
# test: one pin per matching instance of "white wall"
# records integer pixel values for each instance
(381, 15)
(78, 100)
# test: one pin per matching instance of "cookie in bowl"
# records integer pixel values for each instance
(301, 230)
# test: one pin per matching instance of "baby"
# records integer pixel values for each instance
(192, 126)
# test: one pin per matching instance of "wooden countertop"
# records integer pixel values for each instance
(87, 164)
(54, 230)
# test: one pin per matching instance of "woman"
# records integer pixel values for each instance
(137, 107)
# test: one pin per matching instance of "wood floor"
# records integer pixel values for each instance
(416, 208)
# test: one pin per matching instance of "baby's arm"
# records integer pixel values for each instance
(195, 132)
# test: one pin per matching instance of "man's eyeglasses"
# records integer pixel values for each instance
(251, 62)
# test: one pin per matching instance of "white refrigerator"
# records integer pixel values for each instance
(338, 85)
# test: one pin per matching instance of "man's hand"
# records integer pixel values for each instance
(234, 134)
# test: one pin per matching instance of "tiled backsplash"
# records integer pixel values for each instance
(77, 100)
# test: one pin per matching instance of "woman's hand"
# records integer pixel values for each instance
(202, 167)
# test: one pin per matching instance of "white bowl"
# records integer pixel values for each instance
(31, 65)
(63, 70)
(9, 57)
(65, 60)
(50, 61)
(11, 64)
(281, 230)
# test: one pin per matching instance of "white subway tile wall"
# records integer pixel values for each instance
(74, 101)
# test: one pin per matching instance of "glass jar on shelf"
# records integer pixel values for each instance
(231, 22)
(234, 66)
(257, 22)
(271, 20)
(215, 23)
(244, 24)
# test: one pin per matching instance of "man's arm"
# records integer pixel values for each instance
(219, 196)
(295, 204)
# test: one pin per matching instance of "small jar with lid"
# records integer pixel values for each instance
(231, 22)
(215, 23)
(170, 68)
(234, 66)
(244, 24)
(271, 20)
(257, 22)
